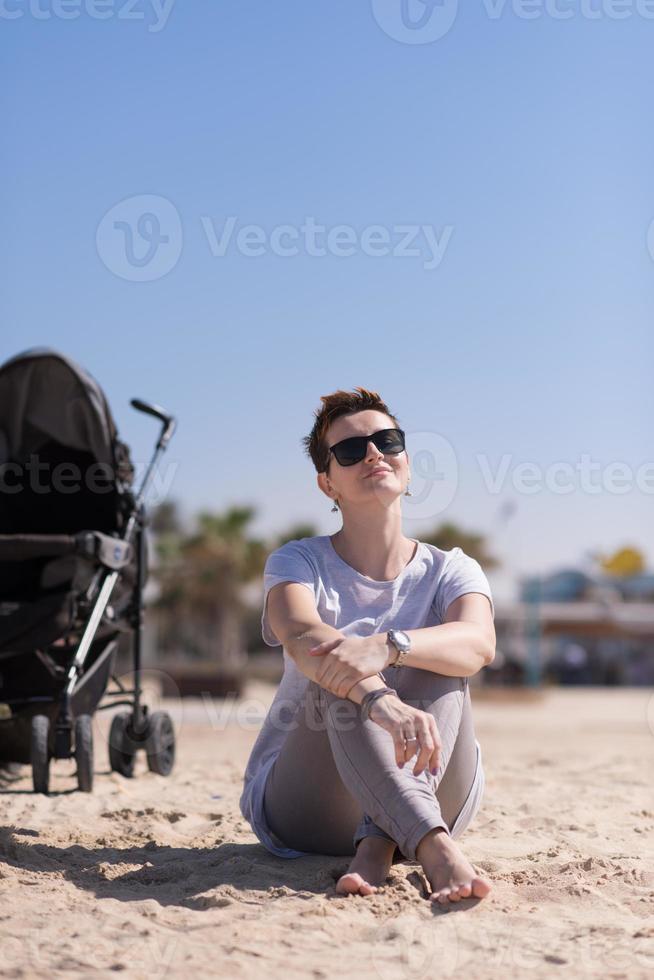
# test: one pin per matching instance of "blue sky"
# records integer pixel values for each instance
(524, 147)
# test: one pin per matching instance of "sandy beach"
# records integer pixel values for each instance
(161, 877)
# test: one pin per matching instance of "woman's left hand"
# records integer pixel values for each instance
(347, 660)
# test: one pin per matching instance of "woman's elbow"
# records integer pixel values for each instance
(486, 650)
(489, 655)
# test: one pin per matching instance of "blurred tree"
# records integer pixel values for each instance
(165, 519)
(200, 609)
(295, 532)
(624, 562)
(449, 536)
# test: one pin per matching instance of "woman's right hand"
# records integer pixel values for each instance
(401, 720)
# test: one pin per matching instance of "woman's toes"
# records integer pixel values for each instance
(464, 889)
(480, 887)
(348, 883)
(352, 882)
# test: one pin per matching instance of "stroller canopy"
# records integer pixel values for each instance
(45, 396)
(54, 418)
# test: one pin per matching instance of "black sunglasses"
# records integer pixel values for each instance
(353, 450)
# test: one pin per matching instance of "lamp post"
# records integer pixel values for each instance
(534, 634)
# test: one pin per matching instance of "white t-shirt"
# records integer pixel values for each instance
(357, 606)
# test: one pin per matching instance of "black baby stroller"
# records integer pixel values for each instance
(72, 572)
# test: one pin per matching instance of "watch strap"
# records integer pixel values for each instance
(401, 654)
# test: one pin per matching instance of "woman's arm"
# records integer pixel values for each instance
(467, 624)
(295, 621)
(460, 646)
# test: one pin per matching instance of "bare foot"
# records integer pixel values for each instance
(449, 873)
(369, 867)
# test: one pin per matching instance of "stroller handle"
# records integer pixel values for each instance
(169, 422)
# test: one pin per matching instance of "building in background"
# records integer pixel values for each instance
(571, 627)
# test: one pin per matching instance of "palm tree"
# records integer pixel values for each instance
(200, 576)
(293, 533)
(449, 536)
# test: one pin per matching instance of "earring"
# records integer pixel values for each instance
(407, 492)
(335, 507)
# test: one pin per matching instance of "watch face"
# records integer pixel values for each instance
(402, 638)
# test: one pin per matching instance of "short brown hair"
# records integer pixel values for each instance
(333, 406)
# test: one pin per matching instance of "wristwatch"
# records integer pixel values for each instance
(402, 642)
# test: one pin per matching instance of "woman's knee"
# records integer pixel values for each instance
(424, 688)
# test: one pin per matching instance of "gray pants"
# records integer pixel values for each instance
(336, 780)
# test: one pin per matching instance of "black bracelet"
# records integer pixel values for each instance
(372, 696)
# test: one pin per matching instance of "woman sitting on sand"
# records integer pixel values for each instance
(380, 635)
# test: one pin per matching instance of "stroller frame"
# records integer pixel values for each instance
(59, 725)
(138, 729)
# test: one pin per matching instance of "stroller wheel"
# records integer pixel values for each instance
(160, 743)
(39, 752)
(10, 770)
(121, 750)
(84, 752)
